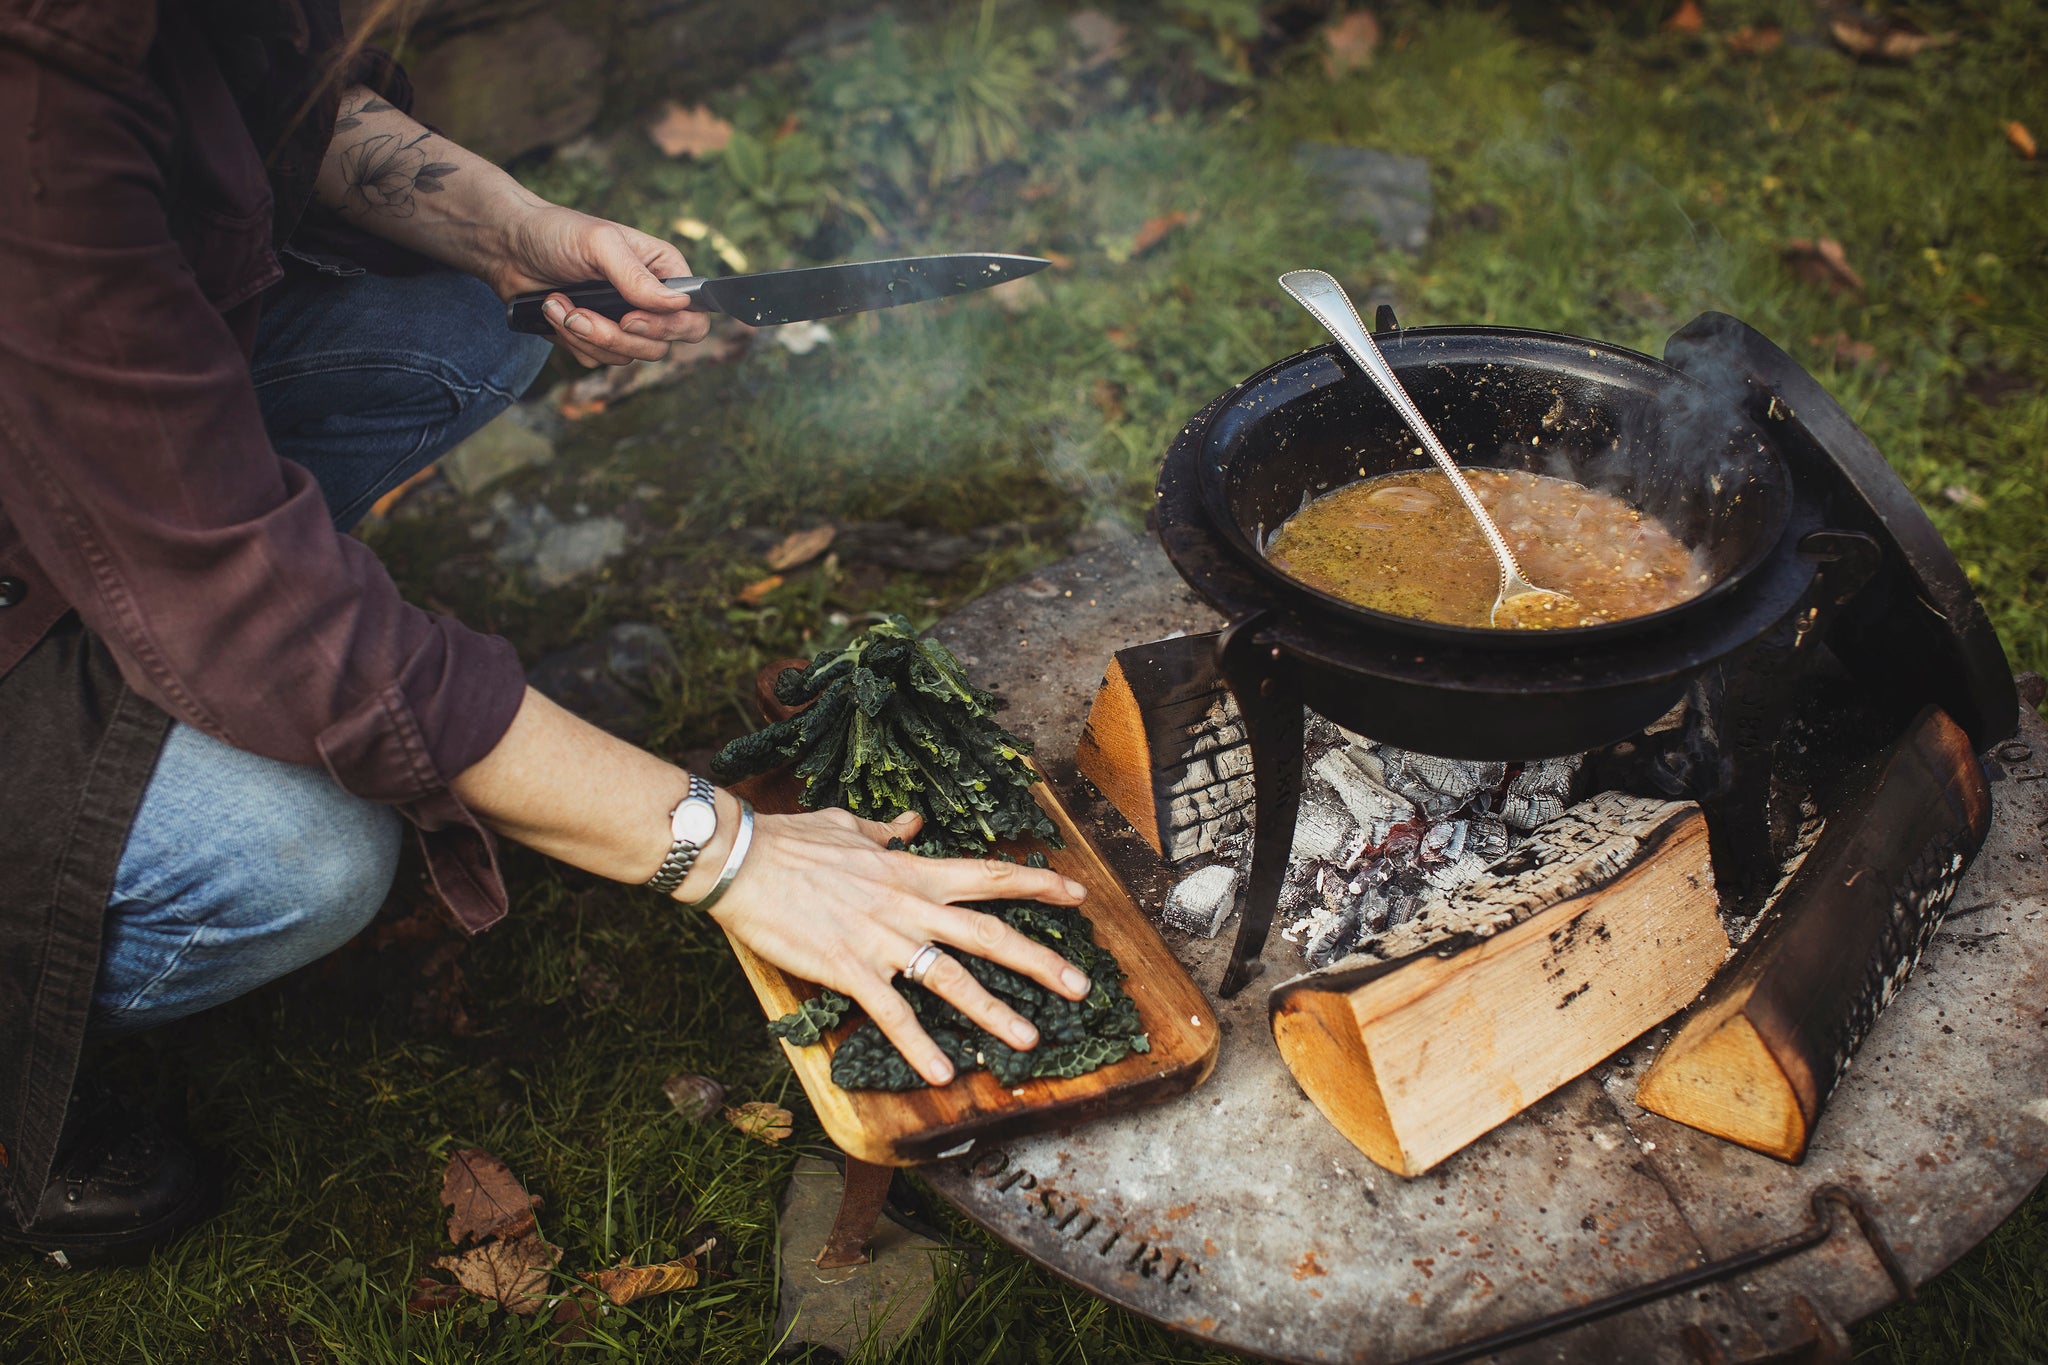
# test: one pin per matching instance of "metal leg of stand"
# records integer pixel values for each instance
(1270, 706)
(860, 1208)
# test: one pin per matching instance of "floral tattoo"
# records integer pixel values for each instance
(384, 171)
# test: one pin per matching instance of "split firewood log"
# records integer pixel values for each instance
(1756, 1060)
(1603, 924)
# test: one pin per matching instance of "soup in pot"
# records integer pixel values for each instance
(1404, 544)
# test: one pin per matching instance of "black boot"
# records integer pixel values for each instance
(123, 1183)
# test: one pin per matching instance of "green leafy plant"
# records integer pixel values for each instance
(891, 723)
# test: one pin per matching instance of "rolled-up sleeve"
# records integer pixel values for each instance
(135, 468)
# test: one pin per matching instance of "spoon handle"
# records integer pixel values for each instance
(1325, 298)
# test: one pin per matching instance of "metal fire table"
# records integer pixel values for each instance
(1236, 1213)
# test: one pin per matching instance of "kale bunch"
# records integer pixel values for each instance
(892, 725)
(1074, 1036)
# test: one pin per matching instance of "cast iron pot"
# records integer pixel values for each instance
(1660, 438)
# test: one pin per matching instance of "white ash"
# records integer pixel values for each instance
(1383, 831)
(1199, 903)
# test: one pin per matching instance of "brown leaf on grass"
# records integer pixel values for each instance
(1861, 35)
(1101, 38)
(801, 547)
(1849, 351)
(514, 1272)
(1754, 42)
(624, 1283)
(1349, 42)
(752, 594)
(1121, 338)
(486, 1198)
(2022, 141)
(1821, 261)
(694, 1097)
(608, 383)
(762, 1121)
(431, 1295)
(689, 132)
(1060, 259)
(1109, 400)
(1686, 18)
(572, 1315)
(381, 508)
(1155, 230)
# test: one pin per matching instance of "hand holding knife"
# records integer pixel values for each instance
(778, 296)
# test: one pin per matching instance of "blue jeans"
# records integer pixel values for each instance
(239, 869)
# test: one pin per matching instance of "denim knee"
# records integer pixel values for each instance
(238, 870)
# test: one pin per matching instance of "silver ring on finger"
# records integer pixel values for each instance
(921, 963)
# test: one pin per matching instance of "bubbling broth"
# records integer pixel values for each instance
(1404, 544)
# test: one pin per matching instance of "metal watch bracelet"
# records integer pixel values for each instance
(682, 854)
(734, 856)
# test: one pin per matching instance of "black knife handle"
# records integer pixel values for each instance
(523, 314)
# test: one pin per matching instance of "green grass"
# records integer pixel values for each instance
(1592, 174)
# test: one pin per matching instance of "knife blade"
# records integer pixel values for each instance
(778, 296)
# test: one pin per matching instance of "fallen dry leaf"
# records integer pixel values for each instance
(1821, 261)
(1686, 18)
(1060, 259)
(486, 1198)
(689, 132)
(1100, 37)
(762, 1121)
(513, 1272)
(1155, 230)
(381, 508)
(624, 1283)
(1120, 337)
(1849, 351)
(608, 383)
(752, 594)
(1109, 400)
(431, 1295)
(2022, 141)
(694, 1097)
(572, 1315)
(1862, 36)
(1754, 42)
(1348, 42)
(801, 547)
(1965, 497)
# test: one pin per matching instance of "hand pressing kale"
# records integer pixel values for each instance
(1075, 1036)
(893, 724)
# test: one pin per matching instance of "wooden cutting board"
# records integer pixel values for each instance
(891, 1128)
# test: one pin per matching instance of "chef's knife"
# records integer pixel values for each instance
(777, 296)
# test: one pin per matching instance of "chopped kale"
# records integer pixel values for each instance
(1075, 1036)
(893, 724)
(812, 1020)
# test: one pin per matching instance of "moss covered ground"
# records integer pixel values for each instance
(1593, 171)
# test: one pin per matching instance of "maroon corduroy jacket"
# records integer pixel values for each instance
(138, 227)
(158, 559)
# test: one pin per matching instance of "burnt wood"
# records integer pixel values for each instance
(1758, 1058)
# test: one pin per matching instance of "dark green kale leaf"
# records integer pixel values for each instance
(812, 1020)
(1075, 1036)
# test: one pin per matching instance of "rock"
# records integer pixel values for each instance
(1392, 192)
(571, 550)
(609, 681)
(511, 87)
(1201, 902)
(859, 1309)
(501, 447)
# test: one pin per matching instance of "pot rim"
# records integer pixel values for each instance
(1210, 477)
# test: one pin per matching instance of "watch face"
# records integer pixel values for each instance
(695, 822)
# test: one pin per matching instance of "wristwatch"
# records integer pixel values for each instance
(691, 824)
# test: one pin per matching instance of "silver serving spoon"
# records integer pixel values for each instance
(1326, 299)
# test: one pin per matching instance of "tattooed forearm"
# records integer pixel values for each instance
(382, 172)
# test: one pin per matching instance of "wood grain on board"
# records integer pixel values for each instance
(902, 1128)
